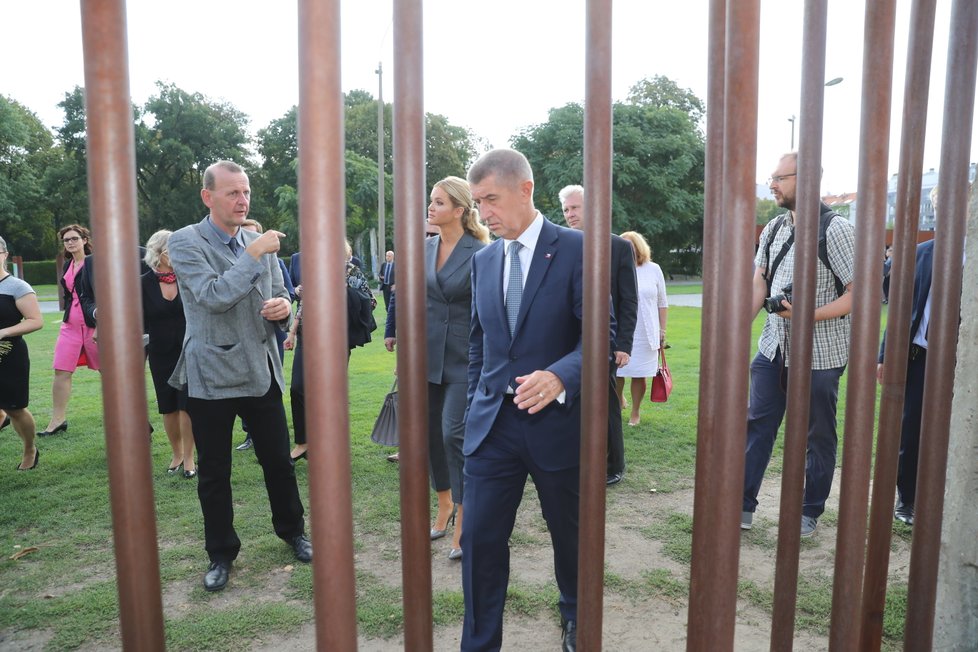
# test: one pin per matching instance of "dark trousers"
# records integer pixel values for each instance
(212, 421)
(297, 391)
(446, 432)
(386, 289)
(616, 439)
(913, 399)
(768, 398)
(495, 477)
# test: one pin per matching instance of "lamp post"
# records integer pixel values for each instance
(835, 81)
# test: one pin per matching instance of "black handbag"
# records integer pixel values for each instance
(385, 428)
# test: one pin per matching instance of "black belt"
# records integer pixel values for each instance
(916, 350)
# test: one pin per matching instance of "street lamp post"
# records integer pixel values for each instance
(832, 82)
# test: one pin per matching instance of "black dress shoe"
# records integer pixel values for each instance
(47, 433)
(904, 513)
(614, 478)
(568, 635)
(245, 445)
(216, 577)
(302, 548)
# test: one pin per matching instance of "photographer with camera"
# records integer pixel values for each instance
(772, 285)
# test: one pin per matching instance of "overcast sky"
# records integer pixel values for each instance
(494, 67)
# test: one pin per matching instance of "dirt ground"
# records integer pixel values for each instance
(631, 622)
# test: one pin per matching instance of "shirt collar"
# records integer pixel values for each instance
(530, 236)
(224, 237)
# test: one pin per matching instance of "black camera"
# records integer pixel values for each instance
(773, 304)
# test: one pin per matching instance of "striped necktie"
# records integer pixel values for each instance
(514, 293)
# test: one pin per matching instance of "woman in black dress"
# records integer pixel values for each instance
(164, 321)
(19, 314)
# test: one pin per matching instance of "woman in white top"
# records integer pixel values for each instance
(650, 328)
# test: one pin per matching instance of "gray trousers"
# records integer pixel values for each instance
(446, 431)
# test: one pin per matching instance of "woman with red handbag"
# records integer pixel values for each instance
(650, 328)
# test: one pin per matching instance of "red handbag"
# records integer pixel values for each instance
(662, 382)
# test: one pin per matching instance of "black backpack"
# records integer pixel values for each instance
(825, 217)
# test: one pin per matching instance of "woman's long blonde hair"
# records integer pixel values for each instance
(643, 254)
(458, 191)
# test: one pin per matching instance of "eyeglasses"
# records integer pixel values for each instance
(71, 239)
(779, 179)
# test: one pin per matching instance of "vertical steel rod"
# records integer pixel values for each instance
(802, 326)
(597, 283)
(919, 50)
(707, 599)
(861, 384)
(959, 111)
(409, 205)
(112, 193)
(322, 211)
(717, 539)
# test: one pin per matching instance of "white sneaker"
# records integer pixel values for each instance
(746, 520)
(808, 525)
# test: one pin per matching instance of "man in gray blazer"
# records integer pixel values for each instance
(234, 300)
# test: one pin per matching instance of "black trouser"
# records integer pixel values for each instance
(616, 439)
(297, 390)
(212, 422)
(913, 399)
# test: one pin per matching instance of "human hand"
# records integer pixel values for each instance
(390, 343)
(786, 313)
(276, 309)
(298, 291)
(289, 342)
(268, 242)
(621, 359)
(537, 390)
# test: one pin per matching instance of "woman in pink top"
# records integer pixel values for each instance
(76, 340)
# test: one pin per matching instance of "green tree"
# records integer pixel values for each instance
(660, 91)
(657, 168)
(767, 210)
(26, 150)
(178, 134)
(66, 180)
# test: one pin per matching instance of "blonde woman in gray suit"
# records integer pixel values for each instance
(448, 264)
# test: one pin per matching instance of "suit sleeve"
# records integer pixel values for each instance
(627, 314)
(475, 338)
(217, 293)
(390, 326)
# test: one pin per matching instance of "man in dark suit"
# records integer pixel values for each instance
(387, 279)
(624, 300)
(913, 392)
(234, 299)
(524, 414)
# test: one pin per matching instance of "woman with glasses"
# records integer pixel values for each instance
(19, 314)
(165, 323)
(76, 339)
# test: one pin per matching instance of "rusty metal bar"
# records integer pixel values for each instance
(112, 193)
(959, 111)
(322, 211)
(868, 275)
(808, 184)
(719, 483)
(412, 419)
(705, 603)
(919, 49)
(597, 283)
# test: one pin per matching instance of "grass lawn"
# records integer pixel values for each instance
(63, 594)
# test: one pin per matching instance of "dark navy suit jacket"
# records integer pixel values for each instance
(921, 289)
(547, 337)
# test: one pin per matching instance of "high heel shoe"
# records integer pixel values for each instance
(47, 433)
(438, 534)
(6, 422)
(173, 469)
(37, 456)
(190, 475)
(301, 456)
(455, 554)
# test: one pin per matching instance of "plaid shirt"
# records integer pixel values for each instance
(831, 346)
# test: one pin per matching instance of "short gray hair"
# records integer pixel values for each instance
(155, 247)
(567, 191)
(230, 166)
(507, 165)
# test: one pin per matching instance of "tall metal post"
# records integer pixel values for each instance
(322, 210)
(409, 204)
(597, 283)
(945, 297)
(112, 195)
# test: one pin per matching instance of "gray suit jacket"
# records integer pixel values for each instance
(229, 346)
